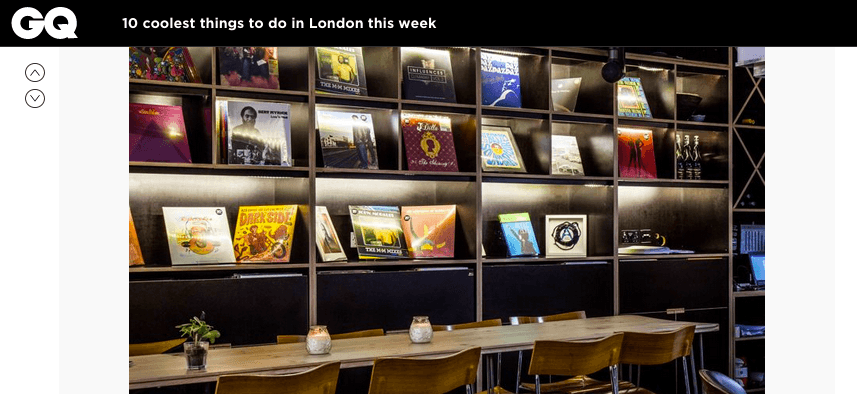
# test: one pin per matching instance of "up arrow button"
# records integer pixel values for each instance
(34, 72)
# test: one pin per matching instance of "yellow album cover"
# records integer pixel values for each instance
(264, 233)
(135, 254)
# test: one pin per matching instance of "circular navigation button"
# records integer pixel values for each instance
(34, 72)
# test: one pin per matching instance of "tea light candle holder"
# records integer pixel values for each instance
(420, 330)
(318, 340)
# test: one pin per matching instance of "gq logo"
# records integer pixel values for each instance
(35, 23)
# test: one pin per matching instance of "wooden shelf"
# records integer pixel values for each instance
(611, 203)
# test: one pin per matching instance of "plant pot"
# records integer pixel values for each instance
(196, 355)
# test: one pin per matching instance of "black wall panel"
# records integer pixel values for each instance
(658, 285)
(245, 311)
(538, 290)
(389, 300)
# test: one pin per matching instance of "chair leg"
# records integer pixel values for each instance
(686, 377)
(538, 385)
(693, 372)
(518, 379)
(614, 378)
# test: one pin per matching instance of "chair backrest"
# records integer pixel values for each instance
(281, 339)
(576, 357)
(714, 382)
(399, 375)
(656, 348)
(319, 380)
(142, 349)
(461, 326)
(516, 320)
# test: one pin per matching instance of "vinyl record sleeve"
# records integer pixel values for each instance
(198, 235)
(501, 80)
(340, 70)
(636, 153)
(378, 232)
(257, 132)
(429, 143)
(499, 150)
(427, 75)
(347, 139)
(157, 134)
(253, 67)
(264, 233)
(519, 234)
(326, 238)
(429, 230)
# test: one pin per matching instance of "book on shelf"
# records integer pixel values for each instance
(256, 132)
(157, 134)
(636, 153)
(564, 92)
(378, 232)
(254, 67)
(519, 234)
(565, 156)
(347, 139)
(429, 143)
(264, 233)
(198, 235)
(499, 150)
(340, 70)
(565, 235)
(135, 254)
(171, 64)
(326, 238)
(631, 98)
(501, 80)
(429, 230)
(427, 75)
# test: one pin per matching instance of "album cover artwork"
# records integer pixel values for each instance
(257, 132)
(632, 99)
(340, 70)
(636, 153)
(347, 139)
(565, 156)
(429, 230)
(501, 80)
(378, 232)
(429, 144)
(499, 150)
(265, 233)
(519, 234)
(427, 75)
(255, 67)
(198, 235)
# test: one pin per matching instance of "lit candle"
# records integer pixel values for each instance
(420, 331)
(318, 340)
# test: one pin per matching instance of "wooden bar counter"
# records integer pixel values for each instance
(170, 369)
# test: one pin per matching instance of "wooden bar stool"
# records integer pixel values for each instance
(578, 358)
(142, 349)
(516, 320)
(399, 375)
(375, 332)
(319, 380)
(714, 382)
(492, 381)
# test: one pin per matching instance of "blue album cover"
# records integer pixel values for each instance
(501, 81)
(519, 234)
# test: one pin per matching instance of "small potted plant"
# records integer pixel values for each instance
(202, 334)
